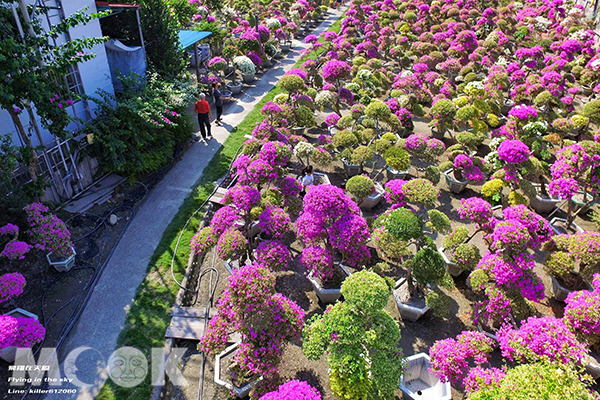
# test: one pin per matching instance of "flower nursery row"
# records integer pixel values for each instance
(251, 38)
(498, 97)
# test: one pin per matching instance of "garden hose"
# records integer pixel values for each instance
(80, 306)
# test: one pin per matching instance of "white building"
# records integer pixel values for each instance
(71, 171)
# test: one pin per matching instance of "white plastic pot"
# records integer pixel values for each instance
(417, 383)
(239, 392)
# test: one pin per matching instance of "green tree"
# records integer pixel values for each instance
(33, 66)
(161, 37)
(360, 339)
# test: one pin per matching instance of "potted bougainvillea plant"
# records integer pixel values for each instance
(266, 321)
(50, 234)
(331, 226)
(18, 328)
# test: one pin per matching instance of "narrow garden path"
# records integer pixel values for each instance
(104, 316)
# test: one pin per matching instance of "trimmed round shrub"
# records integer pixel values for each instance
(360, 186)
(404, 224)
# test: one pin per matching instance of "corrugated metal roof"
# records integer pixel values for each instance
(188, 38)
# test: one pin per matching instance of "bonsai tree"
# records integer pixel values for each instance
(528, 381)
(443, 112)
(17, 331)
(458, 249)
(567, 254)
(244, 65)
(360, 186)
(450, 357)
(360, 339)
(581, 314)
(13, 249)
(49, 232)
(266, 321)
(464, 167)
(331, 220)
(424, 148)
(505, 276)
(20, 332)
(560, 346)
(576, 171)
(396, 230)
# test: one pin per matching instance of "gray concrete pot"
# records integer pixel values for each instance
(321, 179)
(542, 205)
(558, 230)
(248, 78)
(235, 87)
(374, 199)
(559, 292)
(298, 130)
(395, 174)
(407, 312)
(592, 367)
(62, 265)
(452, 268)
(417, 383)
(351, 169)
(454, 185)
(327, 296)
(239, 392)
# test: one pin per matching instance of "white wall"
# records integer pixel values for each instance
(95, 74)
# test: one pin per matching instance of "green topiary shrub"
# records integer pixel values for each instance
(361, 155)
(420, 191)
(292, 83)
(344, 139)
(360, 186)
(397, 159)
(349, 327)
(304, 117)
(404, 224)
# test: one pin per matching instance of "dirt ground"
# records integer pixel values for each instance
(416, 336)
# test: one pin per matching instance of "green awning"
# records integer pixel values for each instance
(188, 38)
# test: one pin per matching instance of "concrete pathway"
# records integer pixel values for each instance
(104, 316)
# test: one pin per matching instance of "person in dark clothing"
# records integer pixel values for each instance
(204, 116)
(218, 103)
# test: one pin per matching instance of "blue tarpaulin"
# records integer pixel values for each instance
(188, 38)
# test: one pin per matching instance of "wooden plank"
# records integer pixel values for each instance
(192, 312)
(192, 329)
(186, 328)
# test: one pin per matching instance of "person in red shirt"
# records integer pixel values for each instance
(204, 116)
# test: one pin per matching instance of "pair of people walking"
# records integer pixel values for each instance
(202, 108)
